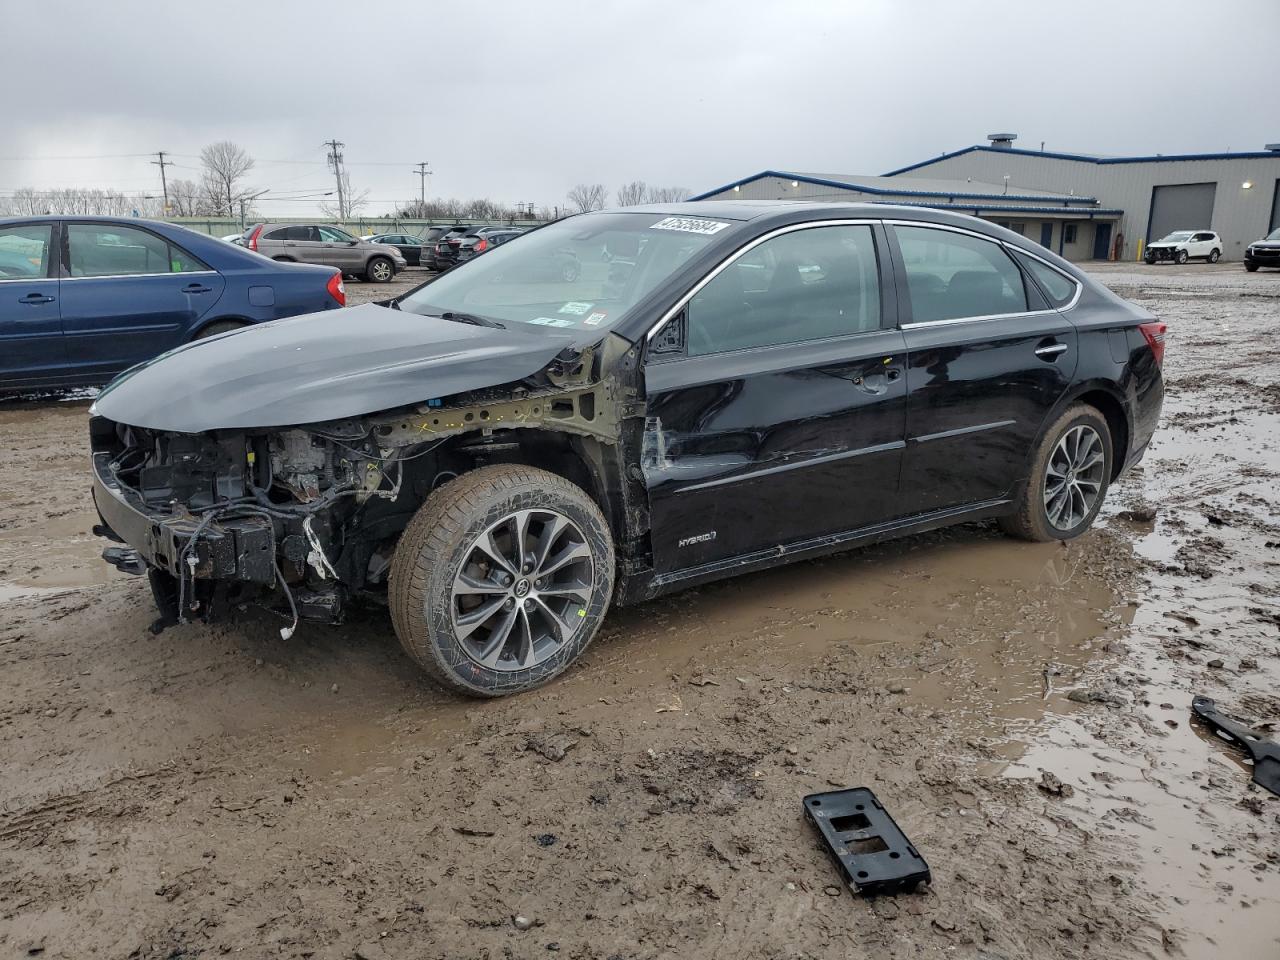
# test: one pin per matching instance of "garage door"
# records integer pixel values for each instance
(1182, 206)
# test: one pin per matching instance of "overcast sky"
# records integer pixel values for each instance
(518, 101)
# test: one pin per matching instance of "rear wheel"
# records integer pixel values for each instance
(222, 326)
(379, 270)
(1070, 473)
(1213, 257)
(501, 580)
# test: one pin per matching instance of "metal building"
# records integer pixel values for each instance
(1083, 207)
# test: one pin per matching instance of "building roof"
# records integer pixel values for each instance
(889, 186)
(1088, 158)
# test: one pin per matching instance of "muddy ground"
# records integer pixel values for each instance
(218, 790)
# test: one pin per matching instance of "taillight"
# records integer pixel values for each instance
(482, 246)
(253, 237)
(337, 290)
(1154, 332)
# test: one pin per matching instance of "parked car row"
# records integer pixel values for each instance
(445, 247)
(328, 245)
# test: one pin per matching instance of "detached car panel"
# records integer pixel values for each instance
(623, 404)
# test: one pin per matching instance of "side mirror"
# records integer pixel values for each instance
(352, 243)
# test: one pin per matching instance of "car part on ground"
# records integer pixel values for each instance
(93, 296)
(866, 843)
(1264, 252)
(1264, 752)
(1183, 245)
(327, 245)
(609, 389)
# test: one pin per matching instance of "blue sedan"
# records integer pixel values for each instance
(83, 298)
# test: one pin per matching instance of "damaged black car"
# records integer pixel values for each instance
(716, 388)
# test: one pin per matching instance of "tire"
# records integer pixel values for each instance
(441, 545)
(1251, 267)
(222, 326)
(1149, 260)
(1032, 520)
(379, 270)
(1213, 257)
(284, 259)
(1181, 256)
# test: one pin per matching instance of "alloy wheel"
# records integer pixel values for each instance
(523, 588)
(1073, 477)
(381, 271)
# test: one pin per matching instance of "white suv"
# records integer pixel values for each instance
(1181, 245)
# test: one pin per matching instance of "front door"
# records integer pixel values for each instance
(778, 418)
(987, 360)
(30, 316)
(128, 295)
(1102, 241)
(341, 250)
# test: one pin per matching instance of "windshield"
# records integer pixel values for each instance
(583, 273)
(1177, 236)
(1274, 235)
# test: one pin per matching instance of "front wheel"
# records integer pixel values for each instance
(1251, 267)
(1070, 473)
(1150, 260)
(1213, 257)
(379, 270)
(501, 580)
(1182, 256)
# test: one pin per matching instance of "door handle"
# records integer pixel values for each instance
(196, 288)
(36, 298)
(1050, 351)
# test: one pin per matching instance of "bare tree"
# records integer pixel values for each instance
(633, 194)
(187, 199)
(225, 166)
(441, 208)
(350, 203)
(80, 201)
(667, 194)
(587, 197)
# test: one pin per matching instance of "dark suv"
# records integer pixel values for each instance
(447, 247)
(716, 388)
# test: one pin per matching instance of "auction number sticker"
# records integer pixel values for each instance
(689, 225)
(575, 307)
(552, 321)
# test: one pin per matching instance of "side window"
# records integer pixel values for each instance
(954, 275)
(282, 234)
(114, 251)
(804, 285)
(1068, 233)
(24, 251)
(1058, 287)
(331, 235)
(182, 262)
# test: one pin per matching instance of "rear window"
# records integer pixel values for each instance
(1058, 287)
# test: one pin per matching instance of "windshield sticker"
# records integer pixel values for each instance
(689, 225)
(575, 308)
(595, 319)
(552, 321)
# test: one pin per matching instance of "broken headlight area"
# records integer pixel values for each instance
(296, 520)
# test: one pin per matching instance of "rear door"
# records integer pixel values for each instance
(128, 295)
(779, 416)
(31, 349)
(987, 360)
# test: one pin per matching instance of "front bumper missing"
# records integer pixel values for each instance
(240, 549)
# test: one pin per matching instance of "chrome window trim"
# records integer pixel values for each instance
(1007, 247)
(29, 279)
(134, 276)
(747, 248)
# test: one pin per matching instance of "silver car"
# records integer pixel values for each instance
(328, 245)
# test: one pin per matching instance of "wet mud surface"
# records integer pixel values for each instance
(1023, 710)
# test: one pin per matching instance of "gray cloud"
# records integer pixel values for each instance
(519, 101)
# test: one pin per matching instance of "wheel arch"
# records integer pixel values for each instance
(207, 322)
(1107, 399)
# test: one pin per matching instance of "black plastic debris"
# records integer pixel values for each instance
(872, 851)
(1265, 753)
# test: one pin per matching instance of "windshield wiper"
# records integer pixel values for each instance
(472, 319)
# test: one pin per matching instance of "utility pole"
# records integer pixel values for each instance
(335, 161)
(422, 173)
(164, 184)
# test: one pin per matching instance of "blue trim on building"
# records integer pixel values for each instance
(1084, 158)
(881, 191)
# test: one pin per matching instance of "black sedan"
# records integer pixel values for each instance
(408, 244)
(714, 388)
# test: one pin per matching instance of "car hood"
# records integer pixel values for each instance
(1167, 243)
(320, 366)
